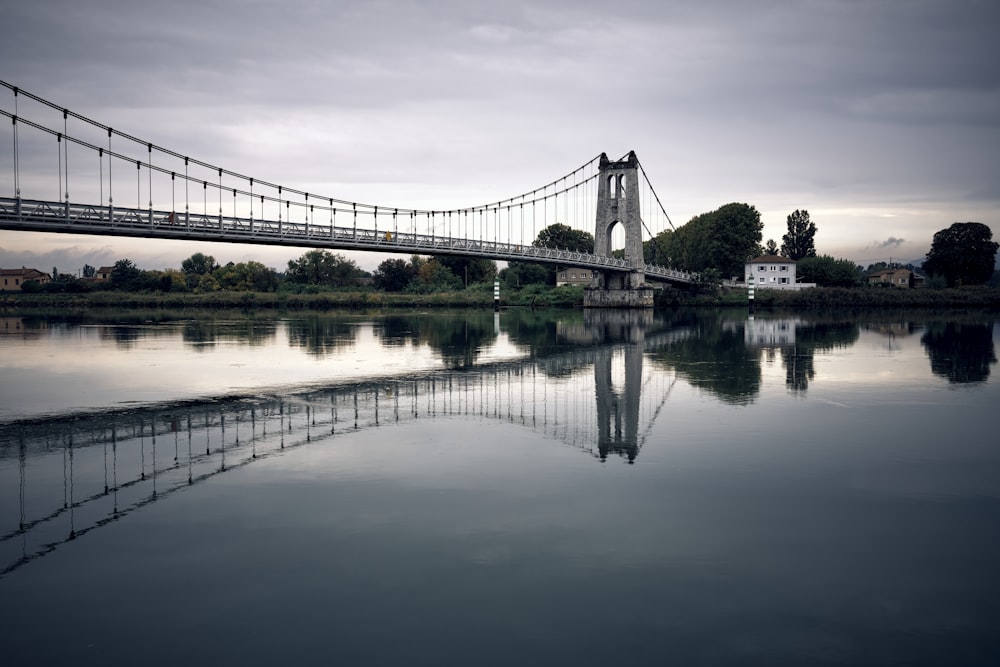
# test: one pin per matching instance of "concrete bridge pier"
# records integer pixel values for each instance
(618, 204)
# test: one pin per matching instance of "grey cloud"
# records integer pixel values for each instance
(891, 242)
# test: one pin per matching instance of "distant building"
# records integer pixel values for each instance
(903, 278)
(773, 272)
(574, 276)
(103, 273)
(12, 280)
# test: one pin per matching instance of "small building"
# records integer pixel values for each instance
(772, 272)
(574, 276)
(103, 273)
(903, 278)
(12, 280)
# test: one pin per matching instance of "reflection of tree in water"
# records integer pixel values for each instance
(811, 337)
(203, 333)
(961, 352)
(714, 358)
(321, 335)
(458, 338)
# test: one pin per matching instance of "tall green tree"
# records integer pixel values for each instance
(771, 247)
(799, 242)
(393, 275)
(963, 254)
(199, 264)
(722, 240)
(564, 237)
(127, 276)
(322, 267)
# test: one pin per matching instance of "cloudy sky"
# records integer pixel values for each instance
(881, 117)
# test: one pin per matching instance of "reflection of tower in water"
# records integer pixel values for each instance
(81, 471)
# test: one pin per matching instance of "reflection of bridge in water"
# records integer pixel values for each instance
(78, 472)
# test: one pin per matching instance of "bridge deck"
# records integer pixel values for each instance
(69, 218)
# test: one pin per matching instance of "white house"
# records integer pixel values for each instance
(773, 272)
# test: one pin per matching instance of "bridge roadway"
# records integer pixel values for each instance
(68, 218)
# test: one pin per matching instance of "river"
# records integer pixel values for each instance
(476, 488)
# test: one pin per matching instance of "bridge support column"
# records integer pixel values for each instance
(618, 204)
(603, 297)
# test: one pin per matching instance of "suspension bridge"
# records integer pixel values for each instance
(67, 173)
(79, 472)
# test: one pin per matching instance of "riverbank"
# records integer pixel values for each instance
(472, 298)
(561, 297)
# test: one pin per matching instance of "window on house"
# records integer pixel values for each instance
(784, 281)
(773, 268)
(763, 279)
(784, 267)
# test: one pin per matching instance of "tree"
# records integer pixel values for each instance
(126, 276)
(433, 276)
(393, 275)
(199, 264)
(470, 270)
(518, 274)
(322, 267)
(723, 239)
(963, 254)
(826, 271)
(799, 242)
(89, 271)
(771, 248)
(246, 277)
(563, 237)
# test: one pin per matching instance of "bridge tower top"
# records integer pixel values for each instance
(618, 204)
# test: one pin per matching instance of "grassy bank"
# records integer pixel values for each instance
(533, 296)
(839, 297)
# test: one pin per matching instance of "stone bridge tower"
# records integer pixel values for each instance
(618, 204)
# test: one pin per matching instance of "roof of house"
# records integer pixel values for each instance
(887, 272)
(771, 259)
(106, 269)
(23, 273)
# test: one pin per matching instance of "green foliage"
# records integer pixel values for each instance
(518, 274)
(723, 239)
(127, 276)
(826, 271)
(964, 254)
(322, 267)
(199, 264)
(393, 275)
(89, 271)
(246, 277)
(799, 242)
(433, 276)
(563, 237)
(771, 247)
(470, 270)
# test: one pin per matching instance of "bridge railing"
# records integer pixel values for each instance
(39, 215)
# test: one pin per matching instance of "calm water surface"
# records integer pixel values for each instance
(466, 488)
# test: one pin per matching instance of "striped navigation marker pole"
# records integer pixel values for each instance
(750, 291)
(496, 295)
